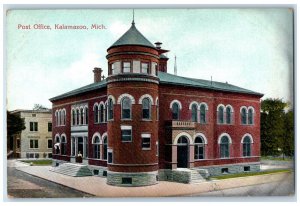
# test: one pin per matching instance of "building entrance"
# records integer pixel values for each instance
(182, 152)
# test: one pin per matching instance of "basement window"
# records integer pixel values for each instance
(247, 169)
(96, 172)
(104, 173)
(224, 171)
(127, 180)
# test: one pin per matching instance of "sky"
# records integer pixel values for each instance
(249, 48)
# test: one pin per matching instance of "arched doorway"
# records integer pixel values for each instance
(182, 152)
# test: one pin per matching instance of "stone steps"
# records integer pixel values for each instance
(74, 170)
(196, 177)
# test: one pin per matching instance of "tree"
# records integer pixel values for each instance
(289, 134)
(39, 107)
(276, 128)
(15, 124)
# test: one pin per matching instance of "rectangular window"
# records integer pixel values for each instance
(34, 143)
(33, 115)
(109, 157)
(146, 141)
(126, 67)
(18, 143)
(49, 155)
(113, 68)
(224, 170)
(126, 180)
(33, 126)
(145, 67)
(247, 169)
(49, 143)
(126, 135)
(49, 127)
(157, 148)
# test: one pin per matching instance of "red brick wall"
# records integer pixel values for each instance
(132, 153)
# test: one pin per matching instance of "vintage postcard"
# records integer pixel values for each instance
(128, 102)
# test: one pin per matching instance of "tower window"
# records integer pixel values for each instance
(145, 67)
(126, 67)
(146, 108)
(126, 108)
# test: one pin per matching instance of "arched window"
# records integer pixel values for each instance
(146, 114)
(73, 146)
(63, 145)
(73, 117)
(247, 147)
(244, 116)
(175, 111)
(64, 117)
(221, 115)
(105, 148)
(202, 114)
(224, 147)
(77, 116)
(194, 113)
(81, 116)
(199, 148)
(228, 115)
(110, 109)
(126, 108)
(96, 114)
(182, 140)
(56, 117)
(101, 113)
(57, 145)
(86, 112)
(61, 115)
(250, 116)
(105, 112)
(96, 147)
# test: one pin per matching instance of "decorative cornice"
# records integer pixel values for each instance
(131, 53)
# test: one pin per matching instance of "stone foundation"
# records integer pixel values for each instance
(132, 179)
(217, 170)
(98, 170)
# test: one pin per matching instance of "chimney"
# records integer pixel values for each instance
(97, 74)
(158, 45)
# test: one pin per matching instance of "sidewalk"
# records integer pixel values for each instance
(97, 185)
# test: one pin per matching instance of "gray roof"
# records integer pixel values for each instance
(166, 78)
(132, 37)
(169, 79)
(87, 88)
(162, 56)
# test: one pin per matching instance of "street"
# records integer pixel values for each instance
(23, 185)
(280, 188)
(26, 181)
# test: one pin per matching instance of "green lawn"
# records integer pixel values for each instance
(38, 162)
(249, 174)
(276, 158)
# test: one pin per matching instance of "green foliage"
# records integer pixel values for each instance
(277, 128)
(245, 174)
(38, 162)
(15, 124)
(39, 107)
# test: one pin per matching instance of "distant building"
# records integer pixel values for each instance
(140, 124)
(36, 140)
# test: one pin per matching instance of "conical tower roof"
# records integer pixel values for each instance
(132, 37)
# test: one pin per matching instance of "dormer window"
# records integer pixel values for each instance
(126, 67)
(145, 67)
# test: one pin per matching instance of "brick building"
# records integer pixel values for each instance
(142, 124)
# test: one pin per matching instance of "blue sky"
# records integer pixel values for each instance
(250, 48)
